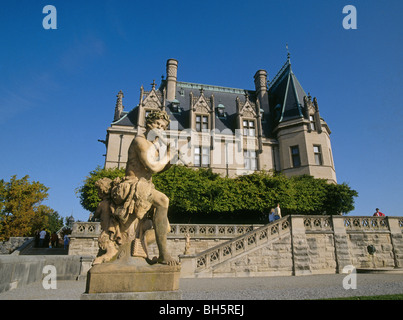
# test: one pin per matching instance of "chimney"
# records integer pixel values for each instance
(172, 72)
(261, 89)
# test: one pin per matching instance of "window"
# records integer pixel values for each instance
(296, 161)
(249, 158)
(312, 124)
(201, 156)
(201, 123)
(249, 128)
(221, 111)
(175, 106)
(318, 155)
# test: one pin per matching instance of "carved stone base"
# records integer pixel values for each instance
(132, 275)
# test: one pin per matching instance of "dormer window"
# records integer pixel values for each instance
(175, 106)
(221, 111)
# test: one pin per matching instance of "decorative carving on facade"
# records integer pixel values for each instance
(309, 106)
(247, 109)
(172, 70)
(201, 104)
(153, 99)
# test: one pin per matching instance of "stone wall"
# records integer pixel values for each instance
(17, 271)
(322, 257)
(274, 259)
(293, 245)
(8, 247)
(361, 256)
(84, 238)
(302, 245)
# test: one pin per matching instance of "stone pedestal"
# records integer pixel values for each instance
(132, 278)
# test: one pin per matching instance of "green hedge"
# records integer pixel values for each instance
(201, 196)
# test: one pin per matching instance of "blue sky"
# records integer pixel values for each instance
(58, 87)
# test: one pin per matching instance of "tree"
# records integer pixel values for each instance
(47, 218)
(339, 199)
(19, 204)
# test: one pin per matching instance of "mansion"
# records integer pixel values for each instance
(275, 127)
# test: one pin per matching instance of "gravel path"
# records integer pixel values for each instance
(269, 288)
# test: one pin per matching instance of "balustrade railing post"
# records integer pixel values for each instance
(342, 251)
(396, 240)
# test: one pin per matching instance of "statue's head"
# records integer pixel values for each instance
(104, 187)
(157, 119)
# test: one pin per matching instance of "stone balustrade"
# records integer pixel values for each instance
(241, 244)
(298, 245)
(293, 245)
(84, 237)
(86, 229)
(220, 231)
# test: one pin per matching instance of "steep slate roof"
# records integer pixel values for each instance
(286, 102)
(286, 96)
(127, 118)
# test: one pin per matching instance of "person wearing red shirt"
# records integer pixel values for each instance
(378, 213)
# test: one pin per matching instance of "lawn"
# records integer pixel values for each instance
(383, 297)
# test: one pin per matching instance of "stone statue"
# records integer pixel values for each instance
(133, 213)
(187, 243)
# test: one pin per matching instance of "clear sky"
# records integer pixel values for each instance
(58, 87)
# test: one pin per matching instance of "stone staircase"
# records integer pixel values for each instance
(30, 249)
(206, 263)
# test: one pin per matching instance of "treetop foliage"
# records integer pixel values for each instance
(21, 211)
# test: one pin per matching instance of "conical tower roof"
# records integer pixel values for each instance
(286, 95)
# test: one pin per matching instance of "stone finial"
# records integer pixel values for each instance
(119, 106)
